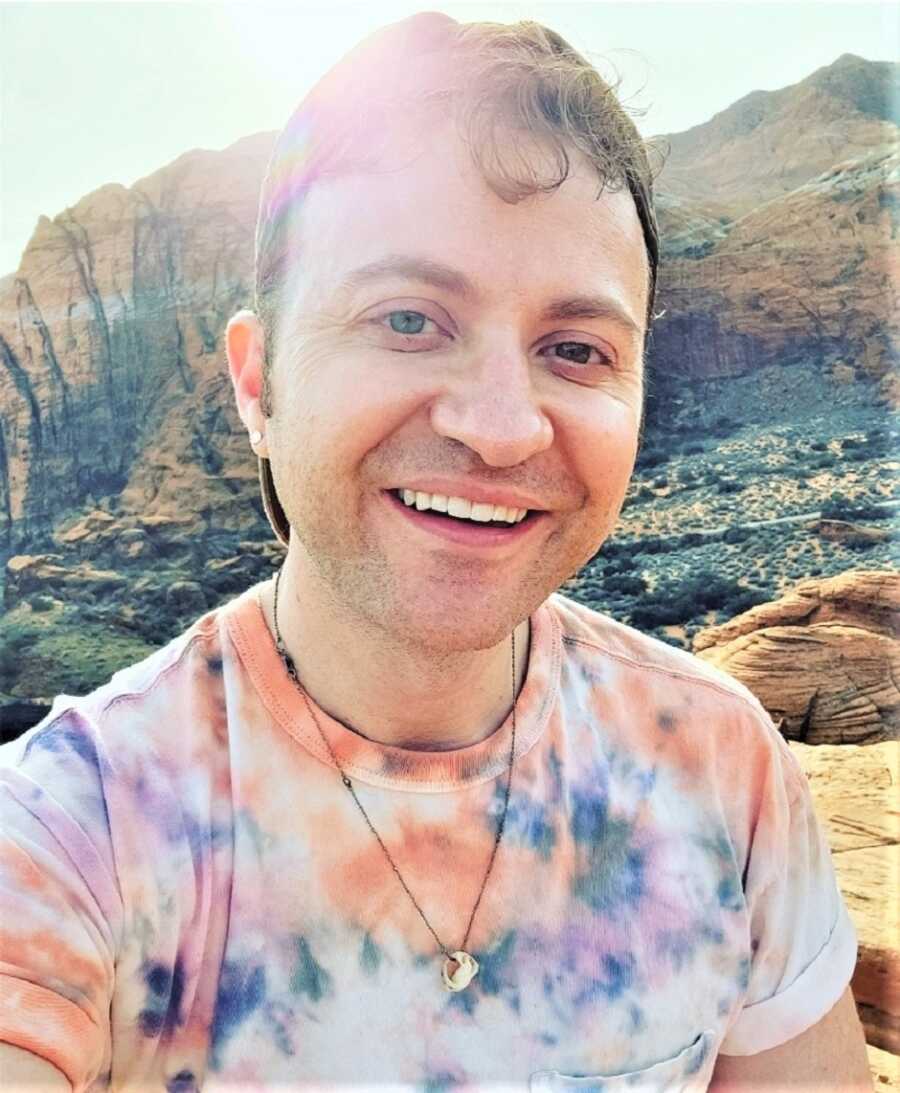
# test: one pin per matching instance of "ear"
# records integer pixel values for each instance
(245, 351)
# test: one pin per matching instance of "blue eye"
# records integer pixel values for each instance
(407, 322)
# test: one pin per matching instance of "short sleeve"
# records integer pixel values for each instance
(59, 903)
(803, 944)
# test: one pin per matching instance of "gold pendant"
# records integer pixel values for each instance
(467, 969)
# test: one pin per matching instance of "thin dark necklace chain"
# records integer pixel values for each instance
(292, 672)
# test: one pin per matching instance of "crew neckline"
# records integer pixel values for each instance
(383, 765)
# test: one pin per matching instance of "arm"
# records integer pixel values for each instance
(22, 1072)
(60, 908)
(830, 1057)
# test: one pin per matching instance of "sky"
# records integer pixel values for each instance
(92, 93)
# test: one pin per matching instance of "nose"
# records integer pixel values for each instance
(493, 409)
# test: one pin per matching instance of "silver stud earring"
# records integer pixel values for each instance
(255, 436)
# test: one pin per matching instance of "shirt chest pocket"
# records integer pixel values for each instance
(683, 1073)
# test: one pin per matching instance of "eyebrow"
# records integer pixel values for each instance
(413, 269)
(453, 281)
(593, 307)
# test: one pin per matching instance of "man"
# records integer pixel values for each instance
(405, 815)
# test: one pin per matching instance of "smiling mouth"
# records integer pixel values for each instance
(463, 520)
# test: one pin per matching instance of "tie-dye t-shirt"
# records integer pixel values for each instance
(190, 898)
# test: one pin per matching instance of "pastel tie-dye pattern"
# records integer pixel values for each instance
(189, 897)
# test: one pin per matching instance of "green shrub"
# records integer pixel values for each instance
(736, 534)
(651, 457)
(695, 595)
(839, 507)
(647, 616)
(623, 562)
(750, 597)
(730, 485)
(818, 446)
(40, 602)
(723, 426)
(15, 641)
(625, 584)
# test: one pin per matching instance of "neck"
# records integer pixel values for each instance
(404, 690)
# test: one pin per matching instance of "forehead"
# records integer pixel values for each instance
(424, 196)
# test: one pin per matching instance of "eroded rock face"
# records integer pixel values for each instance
(112, 380)
(779, 221)
(823, 660)
(809, 274)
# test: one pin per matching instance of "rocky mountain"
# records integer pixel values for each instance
(780, 219)
(807, 276)
(770, 142)
(780, 215)
(111, 352)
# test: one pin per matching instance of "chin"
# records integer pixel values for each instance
(456, 632)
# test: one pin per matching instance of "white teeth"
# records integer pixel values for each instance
(460, 507)
(487, 512)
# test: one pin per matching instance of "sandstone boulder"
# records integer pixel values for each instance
(31, 573)
(855, 792)
(824, 659)
(270, 549)
(843, 531)
(41, 573)
(133, 544)
(228, 576)
(88, 527)
(884, 1066)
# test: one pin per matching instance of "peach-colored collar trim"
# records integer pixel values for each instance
(379, 764)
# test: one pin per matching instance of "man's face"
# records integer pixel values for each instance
(396, 379)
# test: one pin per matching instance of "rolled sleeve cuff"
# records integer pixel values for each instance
(774, 1021)
(53, 1028)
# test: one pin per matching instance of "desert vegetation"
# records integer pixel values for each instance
(726, 510)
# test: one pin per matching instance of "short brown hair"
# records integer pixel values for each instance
(492, 74)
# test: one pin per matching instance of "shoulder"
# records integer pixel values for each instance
(590, 635)
(664, 700)
(146, 711)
